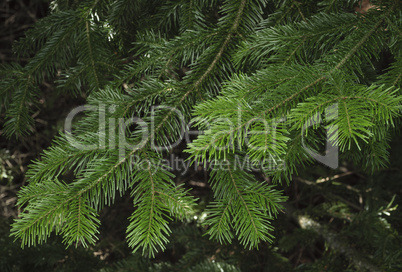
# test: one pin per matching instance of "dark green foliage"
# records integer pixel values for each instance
(48, 257)
(267, 82)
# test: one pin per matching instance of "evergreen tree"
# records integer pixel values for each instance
(273, 85)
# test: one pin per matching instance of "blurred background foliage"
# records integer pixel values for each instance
(352, 216)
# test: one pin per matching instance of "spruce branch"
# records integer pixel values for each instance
(205, 143)
(191, 59)
(91, 180)
(241, 204)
